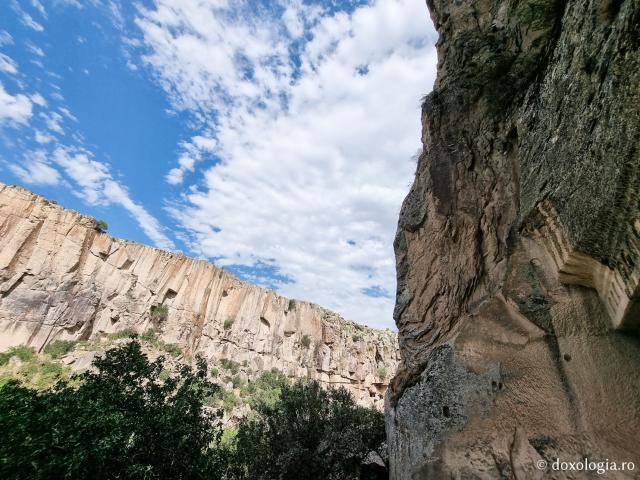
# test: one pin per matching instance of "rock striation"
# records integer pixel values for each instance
(61, 278)
(518, 247)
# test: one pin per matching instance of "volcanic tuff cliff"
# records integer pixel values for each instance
(62, 279)
(518, 246)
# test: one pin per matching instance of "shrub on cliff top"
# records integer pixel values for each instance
(101, 226)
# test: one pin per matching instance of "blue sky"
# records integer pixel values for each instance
(274, 138)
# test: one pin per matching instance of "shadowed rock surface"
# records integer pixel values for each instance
(61, 279)
(518, 246)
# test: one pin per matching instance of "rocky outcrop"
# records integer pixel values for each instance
(60, 278)
(518, 246)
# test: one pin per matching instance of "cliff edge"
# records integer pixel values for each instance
(518, 247)
(62, 279)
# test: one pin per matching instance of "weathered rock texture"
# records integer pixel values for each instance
(518, 246)
(62, 279)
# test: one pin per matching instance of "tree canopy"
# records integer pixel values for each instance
(309, 433)
(128, 419)
(121, 421)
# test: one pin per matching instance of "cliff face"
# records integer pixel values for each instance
(518, 246)
(62, 279)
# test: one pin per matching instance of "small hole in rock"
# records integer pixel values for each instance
(500, 385)
(445, 411)
(224, 293)
(567, 357)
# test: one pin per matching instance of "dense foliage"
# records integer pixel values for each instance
(121, 421)
(130, 419)
(308, 433)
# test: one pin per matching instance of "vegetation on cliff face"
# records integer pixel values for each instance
(130, 417)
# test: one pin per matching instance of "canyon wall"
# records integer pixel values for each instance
(518, 247)
(60, 278)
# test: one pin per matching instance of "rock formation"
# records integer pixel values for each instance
(518, 247)
(60, 278)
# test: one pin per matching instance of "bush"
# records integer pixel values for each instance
(150, 336)
(382, 372)
(124, 333)
(58, 348)
(23, 352)
(309, 433)
(306, 341)
(101, 226)
(172, 349)
(228, 323)
(228, 364)
(160, 312)
(265, 389)
(238, 382)
(112, 424)
(215, 372)
(292, 305)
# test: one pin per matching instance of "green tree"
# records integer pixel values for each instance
(309, 433)
(101, 226)
(125, 420)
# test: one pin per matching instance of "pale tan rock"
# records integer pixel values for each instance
(62, 279)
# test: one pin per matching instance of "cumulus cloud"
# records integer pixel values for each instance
(315, 116)
(191, 152)
(42, 137)
(14, 109)
(53, 120)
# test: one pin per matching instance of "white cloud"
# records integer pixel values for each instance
(65, 111)
(42, 137)
(53, 120)
(98, 187)
(192, 151)
(175, 176)
(35, 49)
(7, 64)
(313, 158)
(5, 38)
(150, 226)
(38, 6)
(35, 169)
(28, 21)
(14, 109)
(38, 100)
(87, 173)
